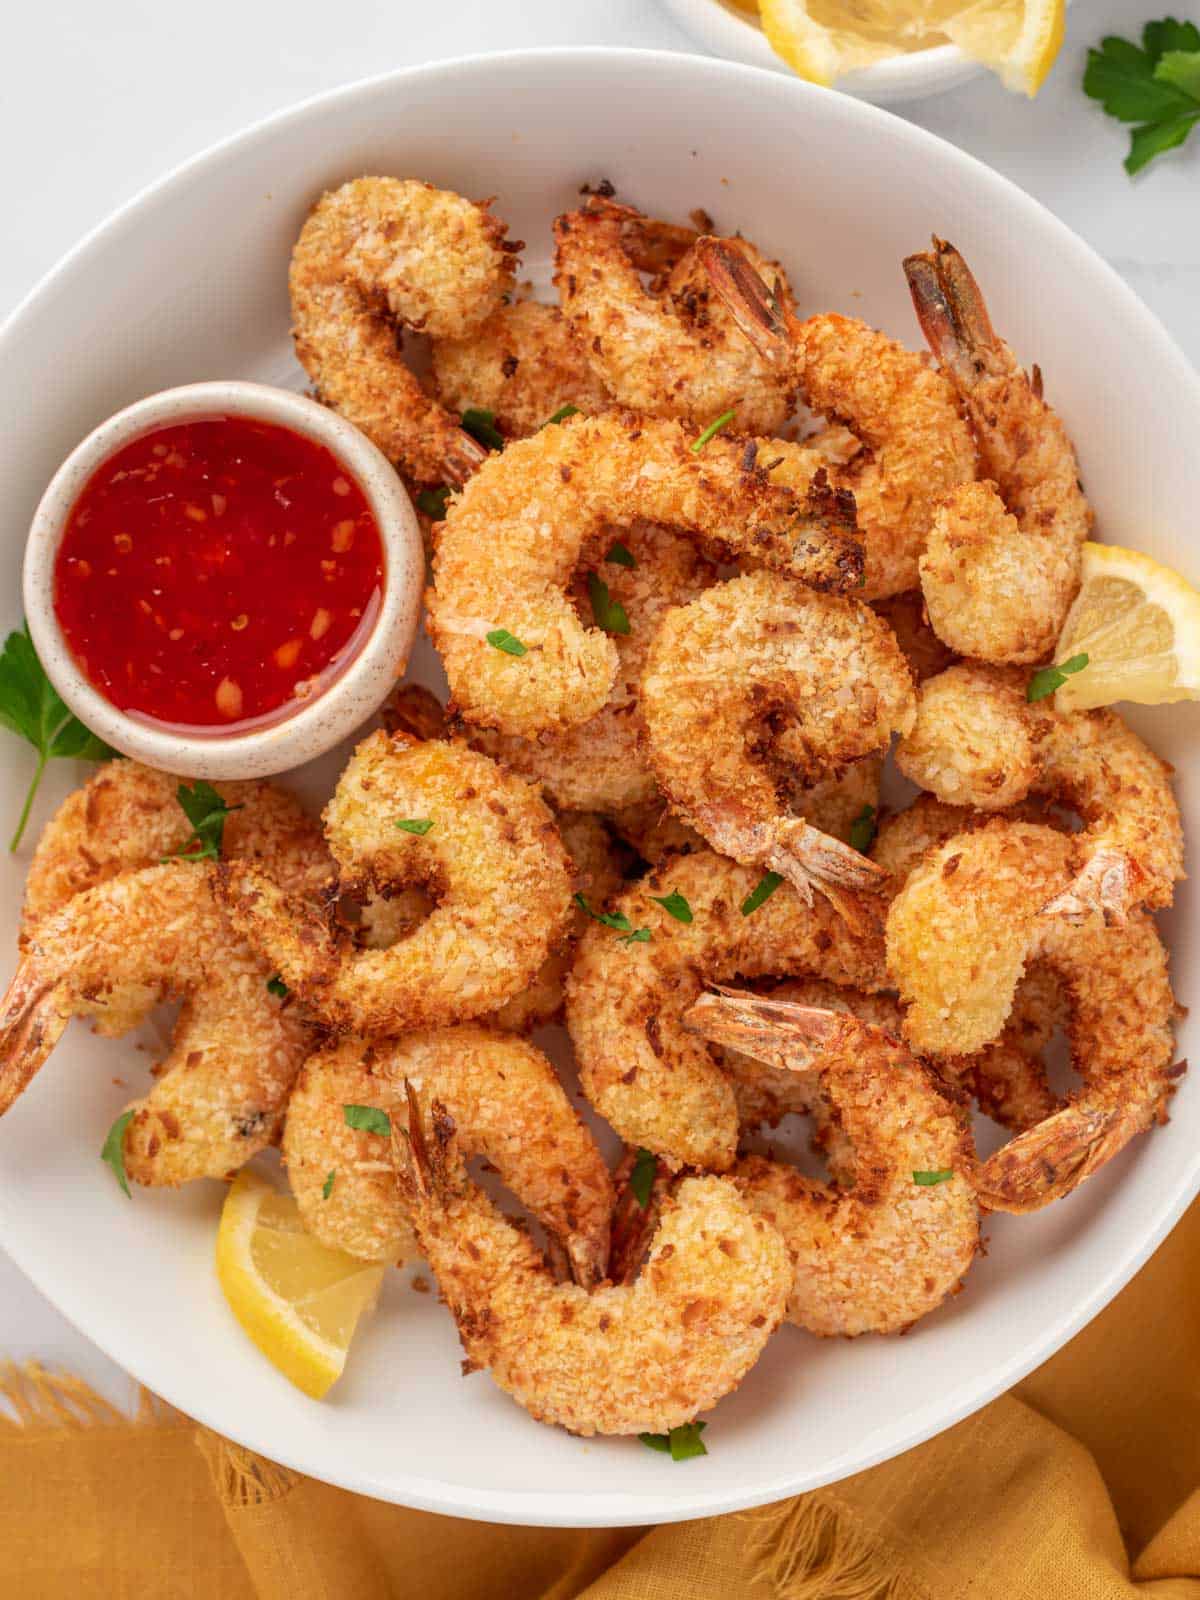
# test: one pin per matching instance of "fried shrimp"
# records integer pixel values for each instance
(978, 741)
(436, 814)
(113, 953)
(1001, 566)
(523, 364)
(127, 816)
(675, 354)
(508, 1106)
(905, 615)
(642, 1358)
(516, 653)
(906, 414)
(640, 1068)
(758, 683)
(889, 1240)
(377, 255)
(977, 895)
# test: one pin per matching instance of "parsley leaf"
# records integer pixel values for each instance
(1157, 86)
(862, 830)
(561, 415)
(30, 706)
(276, 986)
(419, 825)
(641, 1179)
(112, 1151)
(610, 614)
(1048, 679)
(928, 1179)
(620, 555)
(501, 639)
(367, 1119)
(767, 886)
(713, 428)
(433, 502)
(681, 1444)
(327, 1186)
(206, 811)
(481, 425)
(1181, 68)
(675, 904)
(616, 920)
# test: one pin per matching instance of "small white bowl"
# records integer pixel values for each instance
(348, 699)
(905, 77)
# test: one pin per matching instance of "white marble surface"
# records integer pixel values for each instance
(101, 100)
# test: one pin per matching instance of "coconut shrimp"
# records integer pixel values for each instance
(673, 354)
(886, 1243)
(655, 1082)
(516, 653)
(377, 255)
(523, 364)
(113, 953)
(978, 741)
(906, 414)
(1001, 566)
(508, 1107)
(127, 816)
(642, 1358)
(407, 811)
(751, 659)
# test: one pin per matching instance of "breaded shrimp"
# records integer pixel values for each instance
(959, 936)
(758, 683)
(674, 354)
(1001, 566)
(923, 650)
(523, 364)
(889, 1241)
(643, 1358)
(516, 653)
(127, 816)
(904, 411)
(978, 741)
(113, 953)
(440, 815)
(640, 1068)
(508, 1106)
(377, 255)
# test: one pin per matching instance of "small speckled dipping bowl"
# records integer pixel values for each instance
(337, 709)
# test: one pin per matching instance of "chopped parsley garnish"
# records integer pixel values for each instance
(620, 555)
(681, 1444)
(367, 1119)
(433, 502)
(928, 1179)
(767, 886)
(327, 1186)
(675, 904)
(862, 830)
(1157, 86)
(561, 415)
(419, 825)
(277, 986)
(610, 614)
(1045, 682)
(616, 920)
(711, 431)
(30, 706)
(206, 811)
(641, 1179)
(501, 639)
(112, 1151)
(481, 425)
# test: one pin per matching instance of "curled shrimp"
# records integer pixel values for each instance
(905, 413)
(438, 815)
(673, 354)
(113, 953)
(523, 365)
(656, 1083)
(516, 653)
(508, 1106)
(760, 683)
(641, 1358)
(376, 255)
(978, 741)
(127, 816)
(889, 1240)
(1114, 979)
(1001, 566)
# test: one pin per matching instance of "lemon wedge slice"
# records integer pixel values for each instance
(298, 1300)
(824, 39)
(1138, 623)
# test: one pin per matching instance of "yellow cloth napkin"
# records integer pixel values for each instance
(1083, 1484)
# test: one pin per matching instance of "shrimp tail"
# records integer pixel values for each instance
(462, 456)
(757, 310)
(423, 1167)
(1103, 886)
(31, 1024)
(950, 307)
(779, 1033)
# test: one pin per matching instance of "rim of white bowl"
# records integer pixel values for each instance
(351, 694)
(573, 1509)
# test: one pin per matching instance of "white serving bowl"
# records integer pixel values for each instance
(725, 32)
(348, 698)
(160, 296)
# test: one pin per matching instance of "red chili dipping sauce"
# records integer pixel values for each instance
(217, 572)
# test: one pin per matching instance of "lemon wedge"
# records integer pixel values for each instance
(824, 39)
(1138, 623)
(298, 1300)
